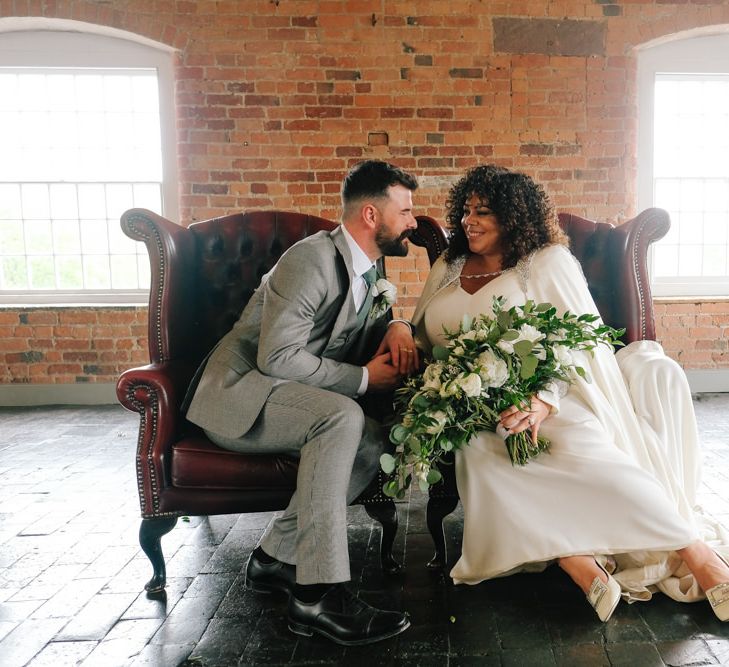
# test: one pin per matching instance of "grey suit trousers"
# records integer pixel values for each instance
(338, 450)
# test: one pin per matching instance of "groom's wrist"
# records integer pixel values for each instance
(405, 322)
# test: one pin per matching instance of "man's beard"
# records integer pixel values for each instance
(391, 247)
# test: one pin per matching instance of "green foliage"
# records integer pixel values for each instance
(491, 362)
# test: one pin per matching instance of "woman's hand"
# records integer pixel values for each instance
(514, 420)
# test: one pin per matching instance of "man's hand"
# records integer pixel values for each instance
(382, 375)
(398, 341)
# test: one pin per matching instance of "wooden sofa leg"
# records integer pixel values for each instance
(386, 514)
(150, 539)
(438, 508)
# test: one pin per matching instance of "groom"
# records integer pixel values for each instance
(284, 380)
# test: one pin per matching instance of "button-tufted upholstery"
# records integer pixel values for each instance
(202, 277)
(614, 261)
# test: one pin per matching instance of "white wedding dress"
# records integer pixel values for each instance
(621, 477)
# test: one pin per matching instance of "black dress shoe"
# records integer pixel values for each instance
(275, 577)
(344, 618)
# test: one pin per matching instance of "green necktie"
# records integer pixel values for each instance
(370, 277)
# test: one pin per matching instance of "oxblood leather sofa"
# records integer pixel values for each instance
(614, 261)
(202, 276)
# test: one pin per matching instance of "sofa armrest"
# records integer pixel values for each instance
(155, 392)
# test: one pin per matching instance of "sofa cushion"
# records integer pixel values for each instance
(197, 463)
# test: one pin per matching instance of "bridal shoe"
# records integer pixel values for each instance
(718, 597)
(604, 597)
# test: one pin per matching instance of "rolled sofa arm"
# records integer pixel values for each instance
(155, 392)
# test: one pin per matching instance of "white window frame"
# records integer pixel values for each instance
(696, 54)
(71, 48)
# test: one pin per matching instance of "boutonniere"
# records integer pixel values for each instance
(384, 294)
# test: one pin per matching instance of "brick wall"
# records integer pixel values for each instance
(277, 98)
(71, 345)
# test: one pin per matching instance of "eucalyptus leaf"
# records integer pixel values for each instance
(398, 433)
(433, 476)
(441, 353)
(528, 366)
(510, 335)
(523, 347)
(421, 402)
(387, 463)
(504, 320)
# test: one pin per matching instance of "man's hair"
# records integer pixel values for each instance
(371, 179)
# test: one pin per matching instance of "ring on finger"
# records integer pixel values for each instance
(531, 420)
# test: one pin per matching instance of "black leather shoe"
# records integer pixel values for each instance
(344, 618)
(276, 577)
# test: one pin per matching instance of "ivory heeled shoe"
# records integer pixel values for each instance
(718, 597)
(604, 597)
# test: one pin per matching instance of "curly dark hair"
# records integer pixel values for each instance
(521, 205)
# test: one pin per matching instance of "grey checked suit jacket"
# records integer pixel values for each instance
(300, 325)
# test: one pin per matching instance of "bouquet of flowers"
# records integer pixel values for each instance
(491, 362)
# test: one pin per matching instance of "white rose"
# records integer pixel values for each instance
(458, 350)
(470, 384)
(557, 335)
(493, 371)
(530, 333)
(448, 389)
(506, 345)
(387, 289)
(440, 421)
(539, 352)
(468, 335)
(420, 471)
(562, 354)
(432, 375)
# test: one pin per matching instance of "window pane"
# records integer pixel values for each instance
(91, 201)
(96, 272)
(38, 237)
(124, 272)
(148, 196)
(94, 239)
(66, 237)
(11, 237)
(14, 273)
(70, 275)
(35, 201)
(689, 260)
(714, 263)
(64, 202)
(10, 201)
(79, 147)
(665, 260)
(41, 273)
(691, 175)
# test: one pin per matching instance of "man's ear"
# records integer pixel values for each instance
(369, 214)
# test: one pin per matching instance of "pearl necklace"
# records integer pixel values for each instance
(481, 275)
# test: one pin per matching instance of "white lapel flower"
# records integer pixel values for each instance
(384, 294)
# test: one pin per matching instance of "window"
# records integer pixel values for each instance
(81, 120)
(682, 162)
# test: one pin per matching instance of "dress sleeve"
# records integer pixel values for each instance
(555, 275)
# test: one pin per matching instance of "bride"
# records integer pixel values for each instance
(613, 502)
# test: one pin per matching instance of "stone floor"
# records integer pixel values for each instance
(71, 575)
